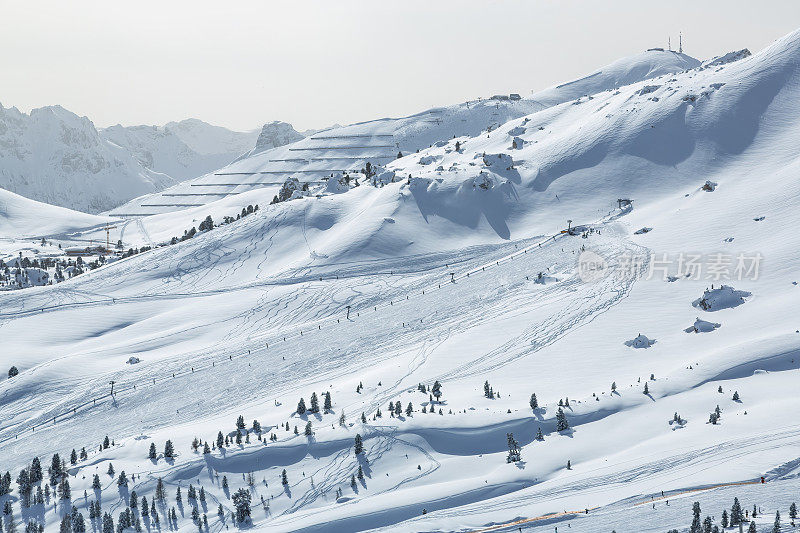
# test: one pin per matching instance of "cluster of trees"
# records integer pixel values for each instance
(314, 404)
(736, 517)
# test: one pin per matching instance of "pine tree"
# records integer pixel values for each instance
(240, 422)
(724, 521)
(202, 495)
(106, 443)
(220, 440)
(256, 426)
(534, 403)
(736, 512)
(539, 435)
(314, 403)
(752, 528)
(561, 420)
(514, 454)
(122, 480)
(161, 494)
(84, 455)
(613, 386)
(241, 501)
(793, 511)
(308, 432)
(736, 396)
(409, 409)
(776, 526)
(206, 448)
(96, 483)
(238, 436)
(364, 417)
(301, 407)
(225, 483)
(73, 457)
(436, 390)
(35, 472)
(64, 491)
(145, 508)
(178, 497)
(358, 446)
(169, 450)
(284, 477)
(191, 494)
(152, 454)
(327, 404)
(646, 390)
(108, 523)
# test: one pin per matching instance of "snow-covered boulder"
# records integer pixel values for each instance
(641, 341)
(702, 326)
(730, 57)
(132, 360)
(517, 143)
(428, 159)
(723, 297)
(287, 190)
(498, 161)
(337, 185)
(483, 181)
(383, 176)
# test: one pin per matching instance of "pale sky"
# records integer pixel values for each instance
(240, 63)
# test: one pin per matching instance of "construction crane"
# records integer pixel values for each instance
(108, 238)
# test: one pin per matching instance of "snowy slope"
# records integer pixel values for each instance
(21, 217)
(54, 156)
(436, 277)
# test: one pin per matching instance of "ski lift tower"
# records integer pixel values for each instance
(108, 237)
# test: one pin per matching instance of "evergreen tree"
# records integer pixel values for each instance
(241, 501)
(206, 448)
(64, 491)
(106, 443)
(736, 512)
(364, 417)
(191, 494)
(398, 409)
(724, 521)
(534, 403)
(73, 457)
(238, 436)
(358, 446)
(793, 511)
(202, 495)
(314, 403)
(436, 390)
(178, 497)
(35, 471)
(96, 482)
(514, 453)
(169, 450)
(308, 432)
(646, 390)
(409, 409)
(240, 422)
(161, 493)
(327, 405)
(122, 480)
(152, 454)
(220, 440)
(108, 523)
(561, 420)
(776, 526)
(284, 478)
(256, 426)
(752, 528)
(84, 455)
(301, 407)
(539, 435)
(13, 372)
(735, 396)
(341, 419)
(145, 508)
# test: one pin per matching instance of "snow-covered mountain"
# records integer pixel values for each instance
(181, 150)
(350, 147)
(658, 332)
(54, 156)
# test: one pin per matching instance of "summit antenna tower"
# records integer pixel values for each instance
(680, 43)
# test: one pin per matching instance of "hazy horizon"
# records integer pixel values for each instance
(321, 63)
